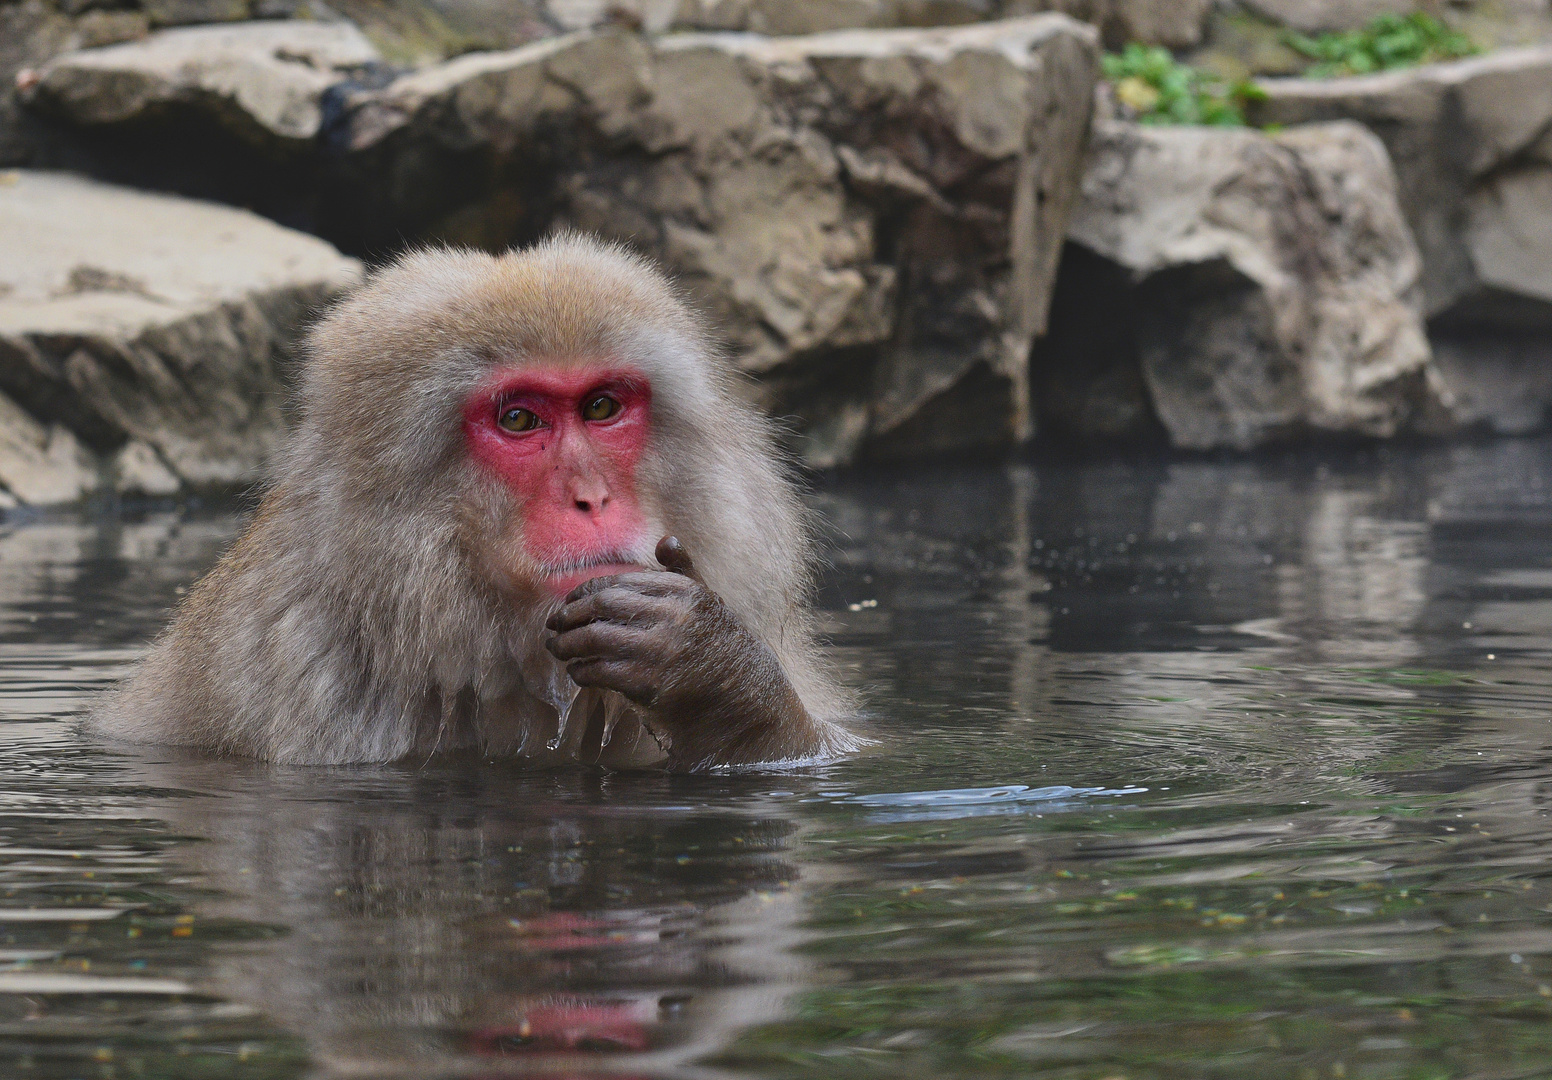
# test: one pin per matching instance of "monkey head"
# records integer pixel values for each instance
(544, 391)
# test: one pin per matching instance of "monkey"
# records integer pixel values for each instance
(523, 510)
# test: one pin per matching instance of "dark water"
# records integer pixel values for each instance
(1185, 770)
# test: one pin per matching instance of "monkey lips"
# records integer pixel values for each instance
(561, 581)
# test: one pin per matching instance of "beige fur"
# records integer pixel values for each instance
(362, 617)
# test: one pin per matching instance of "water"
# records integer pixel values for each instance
(1184, 770)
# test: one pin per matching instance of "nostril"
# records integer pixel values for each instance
(584, 506)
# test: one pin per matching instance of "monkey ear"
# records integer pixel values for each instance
(671, 553)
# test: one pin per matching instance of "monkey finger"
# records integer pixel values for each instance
(647, 582)
(593, 585)
(598, 639)
(622, 676)
(672, 554)
(611, 605)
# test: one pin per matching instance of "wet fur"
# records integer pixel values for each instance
(365, 615)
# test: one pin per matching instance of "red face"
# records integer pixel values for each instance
(566, 442)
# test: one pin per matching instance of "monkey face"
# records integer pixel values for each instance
(565, 442)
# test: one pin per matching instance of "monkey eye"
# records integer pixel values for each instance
(600, 408)
(517, 420)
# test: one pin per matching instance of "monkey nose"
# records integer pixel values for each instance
(589, 498)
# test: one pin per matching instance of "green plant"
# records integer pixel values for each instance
(1390, 41)
(1160, 90)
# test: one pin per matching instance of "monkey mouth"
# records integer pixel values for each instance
(563, 577)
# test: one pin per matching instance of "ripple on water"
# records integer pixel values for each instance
(975, 802)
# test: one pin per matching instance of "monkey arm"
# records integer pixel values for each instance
(668, 643)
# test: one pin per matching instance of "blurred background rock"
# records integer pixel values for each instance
(923, 226)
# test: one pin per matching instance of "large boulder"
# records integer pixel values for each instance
(266, 80)
(1472, 152)
(148, 334)
(33, 32)
(1174, 23)
(1466, 141)
(1319, 16)
(41, 463)
(1236, 288)
(872, 218)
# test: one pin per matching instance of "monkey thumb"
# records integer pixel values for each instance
(671, 553)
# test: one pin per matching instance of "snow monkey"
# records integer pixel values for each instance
(523, 511)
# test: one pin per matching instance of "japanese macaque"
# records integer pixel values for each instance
(523, 511)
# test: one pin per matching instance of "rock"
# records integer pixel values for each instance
(183, 12)
(1474, 162)
(1498, 380)
(1256, 287)
(1173, 23)
(872, 217)
(98, 28)
(1320, 16)
(31, 32)
(41, 463)
(265, 80)
(128, 317)
(421, 32)
(1176, 24)
(1463, 137)
(138, 470)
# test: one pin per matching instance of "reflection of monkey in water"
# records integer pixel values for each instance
(438, 913)
(502, 469)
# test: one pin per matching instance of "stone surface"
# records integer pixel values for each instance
(1464, 136)
(1472, 146)
(134, 318)
(1499, 381)
(262, 79)
(31, 32)
(41, 463)
(137, 469)
(872, 217)
(1319, 16)
(421, 32)
(184, 12)
(1239, 287)
(1175, 23)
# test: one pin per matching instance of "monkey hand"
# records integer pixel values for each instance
(700, 677)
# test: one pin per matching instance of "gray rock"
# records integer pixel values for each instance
(416, 33)
(137, 469)
(31, 32)
(872, 217)
(182, 12)
(1464, 140)
(1500, 381)
(265, 80)
(1471, 149)
(153, 328)
(1318, 16)
(41, 463)
(1177, 24)
(1262, 286)
(1174, 23)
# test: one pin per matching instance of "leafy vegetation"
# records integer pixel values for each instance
(1160, 90)
(1390, 41)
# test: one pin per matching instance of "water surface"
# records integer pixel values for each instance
(1187, 769)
